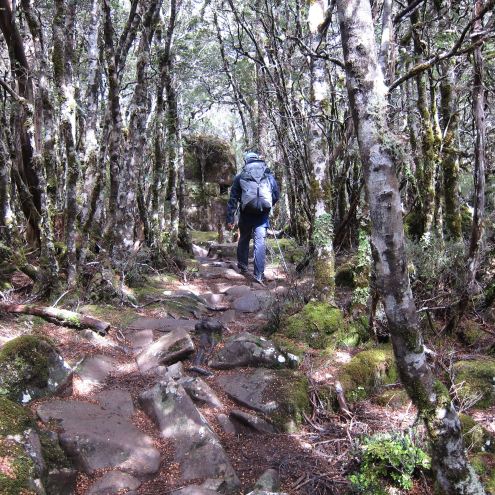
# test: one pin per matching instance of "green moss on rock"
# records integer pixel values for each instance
(471, 333)
(476, 438)
(24, 361)
(292, 389)
(17, 469)
(315, 324)
(366, 371)
(53, 455)
(288, 346)
(484, 465)
(14, 419)
(477, 378)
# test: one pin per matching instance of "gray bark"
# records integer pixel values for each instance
(367, 94)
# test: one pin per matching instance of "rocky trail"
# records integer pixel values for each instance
(189, 402)
(188, 395)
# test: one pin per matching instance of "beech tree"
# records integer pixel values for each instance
(367, 97)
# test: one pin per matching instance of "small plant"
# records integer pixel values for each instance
(388, 460)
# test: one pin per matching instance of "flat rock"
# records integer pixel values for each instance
(138, 339)
(197, 448)
(162, 324)
(238, 291)
(228, 316)
(166, 373)
(92, 372)
(116, 401)
(169, 349)
(199, 252)
(247, 349)
(282, 395)
(96, 438)
(248, 389)
(213, 272)
(217, 301)
(248, 303)
(243, 421)
(112, 482)
(268, 481)
(195, 490)
(226, 424)
(200, 392)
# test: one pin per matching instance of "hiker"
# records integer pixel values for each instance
(256, 190)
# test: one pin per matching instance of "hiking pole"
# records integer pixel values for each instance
(282, 257)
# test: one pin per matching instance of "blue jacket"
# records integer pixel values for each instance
(249, 219)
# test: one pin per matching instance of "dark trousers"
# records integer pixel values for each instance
(258, 234)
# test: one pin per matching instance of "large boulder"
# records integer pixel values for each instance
(197, 448)
(247, 349)
(209, 159)
(31, 461)
(282, 395)
(169, 349)
(98, 438)
(31, 368)
(476, 379)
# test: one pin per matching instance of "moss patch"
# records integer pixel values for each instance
(292, 392)
(14, 419)
(16, 470)
(475, 436)
(478, 377)
(53, 454)
(24, 361)
(288, 346)
(202, 238)
(366, 371)
(293, 253)
(484, 465)
(471, 333)
(394, 399)
(314, 325)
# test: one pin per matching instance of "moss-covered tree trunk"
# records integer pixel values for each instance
(367, 95)
(322, 228)
(63, 48)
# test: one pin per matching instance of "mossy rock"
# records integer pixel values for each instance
(476, 438)
(53, 455)
(292, 396)
(477, 378)
(315, 325)
(14, 419)
(484, 465)
(366, 371)
(31, 368)
(394, 399)
(288, 346)
(17, 470)
(471, 333)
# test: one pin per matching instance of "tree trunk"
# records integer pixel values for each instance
(322, 228)
(367, 96)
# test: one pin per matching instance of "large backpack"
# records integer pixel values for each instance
(256, 188)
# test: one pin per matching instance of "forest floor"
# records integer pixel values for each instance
(316, 459)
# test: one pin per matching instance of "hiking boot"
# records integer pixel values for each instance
(242, 270)
(260, 280)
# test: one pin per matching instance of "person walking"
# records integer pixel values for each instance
(256, 191)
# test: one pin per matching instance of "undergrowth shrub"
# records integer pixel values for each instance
(388, 460)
